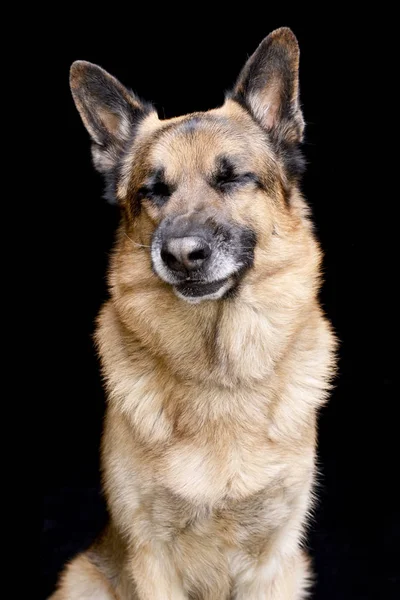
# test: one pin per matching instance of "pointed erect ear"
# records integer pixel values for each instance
(109, 112)
(268, 86)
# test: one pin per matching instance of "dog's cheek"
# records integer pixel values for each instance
(143, 229)
(150, 218)
(253, 209)
(258, 218)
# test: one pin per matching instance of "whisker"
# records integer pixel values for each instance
(135, 243)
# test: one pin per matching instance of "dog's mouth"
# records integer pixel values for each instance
(196, 291)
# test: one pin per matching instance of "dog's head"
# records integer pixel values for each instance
(202, 193)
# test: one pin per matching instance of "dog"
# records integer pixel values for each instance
(215, 352)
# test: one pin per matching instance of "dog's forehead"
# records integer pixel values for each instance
(194, 142)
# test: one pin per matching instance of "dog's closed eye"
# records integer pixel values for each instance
(156, 189)
(228, 177)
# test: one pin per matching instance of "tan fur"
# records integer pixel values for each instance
(209, 441)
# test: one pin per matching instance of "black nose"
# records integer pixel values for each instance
(185, 253)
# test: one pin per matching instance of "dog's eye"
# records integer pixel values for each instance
(224, 180)
(227, 178)
(160, 189)
(228, 181)
(158, 192)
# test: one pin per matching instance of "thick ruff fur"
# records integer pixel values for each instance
(209, 443)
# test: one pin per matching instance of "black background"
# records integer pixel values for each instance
(183, 63)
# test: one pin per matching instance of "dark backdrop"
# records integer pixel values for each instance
(184, 66)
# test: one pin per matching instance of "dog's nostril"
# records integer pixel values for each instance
(170, 259)
(197, 255)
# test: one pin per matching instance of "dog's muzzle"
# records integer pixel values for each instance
(201, 258)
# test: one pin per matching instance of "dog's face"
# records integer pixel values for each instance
(201, 192)
(198, 175)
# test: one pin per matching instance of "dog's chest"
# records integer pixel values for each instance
(220, 464)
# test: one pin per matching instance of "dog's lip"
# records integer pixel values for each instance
(196, 288)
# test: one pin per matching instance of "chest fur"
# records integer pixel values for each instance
(219, 465)
(208, 446)
(202, 440)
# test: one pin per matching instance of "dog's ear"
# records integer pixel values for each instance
(108, 110)
(268, 86)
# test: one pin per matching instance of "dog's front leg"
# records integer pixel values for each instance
(271, 577)
(154, 574)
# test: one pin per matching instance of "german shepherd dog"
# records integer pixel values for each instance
(214, 348)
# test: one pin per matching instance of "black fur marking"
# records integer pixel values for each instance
(292, 158)
(191, 124)
(156, 189)
(227, 177)
(233, 292)
(248, 240)
(110, 188)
